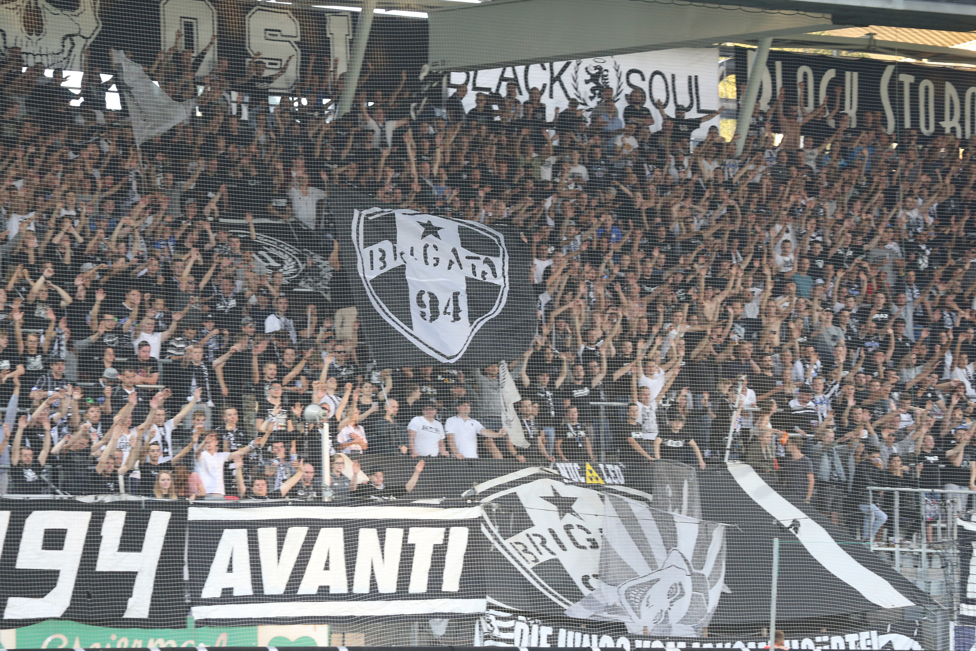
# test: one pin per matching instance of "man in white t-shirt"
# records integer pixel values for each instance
(462, 433)
(304, 201)
(654, 380)
(426, 434)
(210, 464)
(146, 332)
(279, 320)
(351, 438)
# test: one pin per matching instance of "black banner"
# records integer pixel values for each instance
(64, 33)
(933, 101)
(967, 571)
(433, 290)
(301, 255)
(282, 563)
(583, 547)
(112, 564)
(503, 627)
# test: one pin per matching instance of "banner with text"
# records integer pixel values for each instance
(930, 100)
(503, 627)
(281, 563)
(684, 79)
(114, 563)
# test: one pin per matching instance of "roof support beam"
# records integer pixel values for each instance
(744, 119)
(560, 30)
(363, 26)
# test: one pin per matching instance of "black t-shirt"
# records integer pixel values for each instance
(845, 256)
(795, 473)
(272, 495)
(579, 396)
(762, 383)
(148, 473)
(26, 480)
(9, 359)
(144, 369)
(959, 476)
(265, 411)
(626, 431)
(34, 366)
(76, 466)
(684, 127)
(573, 437)
(636, 113)
(237, 375)
(307, 493)
(386, 492)
(102, 484)
(931, 474)
(674, 445)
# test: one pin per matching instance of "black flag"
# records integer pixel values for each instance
(435, 290)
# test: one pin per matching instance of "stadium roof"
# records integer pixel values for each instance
(869, 42)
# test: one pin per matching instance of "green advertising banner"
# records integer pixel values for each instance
(61, 634)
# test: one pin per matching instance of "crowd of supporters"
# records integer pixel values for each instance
(811, 300)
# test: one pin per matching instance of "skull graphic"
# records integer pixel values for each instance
(51, 32)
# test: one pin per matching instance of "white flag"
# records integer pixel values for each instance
(510, 398)
(151, 110)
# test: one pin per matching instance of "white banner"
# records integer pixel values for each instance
(686, 78)
(151, 110)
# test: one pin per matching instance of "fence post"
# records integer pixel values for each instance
(772, 594)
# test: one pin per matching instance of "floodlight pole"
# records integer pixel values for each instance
(748, 104)
(363, 26)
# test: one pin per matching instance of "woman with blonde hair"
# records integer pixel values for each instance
(165, 488)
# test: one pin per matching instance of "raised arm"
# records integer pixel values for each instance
(296, 477)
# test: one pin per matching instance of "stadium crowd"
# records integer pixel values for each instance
(813, 296)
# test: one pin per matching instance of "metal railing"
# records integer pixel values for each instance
(934, 511)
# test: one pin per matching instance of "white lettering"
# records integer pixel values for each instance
(969, 108)
(330, 548)
(824, 86)
(906, 96)
(197, 21)
(231, 566)
(339, 29)
(275, 34)
(951, 111)
(4, 521)
(850, 96)
(926, 107)
(423, 539)
(457, 544)
(275, 570)
(370, 559)
(65, 561)
(143, 563)
(886, 100)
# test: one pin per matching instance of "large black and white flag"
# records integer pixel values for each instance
(432, 289)
(605, 555)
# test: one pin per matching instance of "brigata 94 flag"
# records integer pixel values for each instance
(436, 290)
